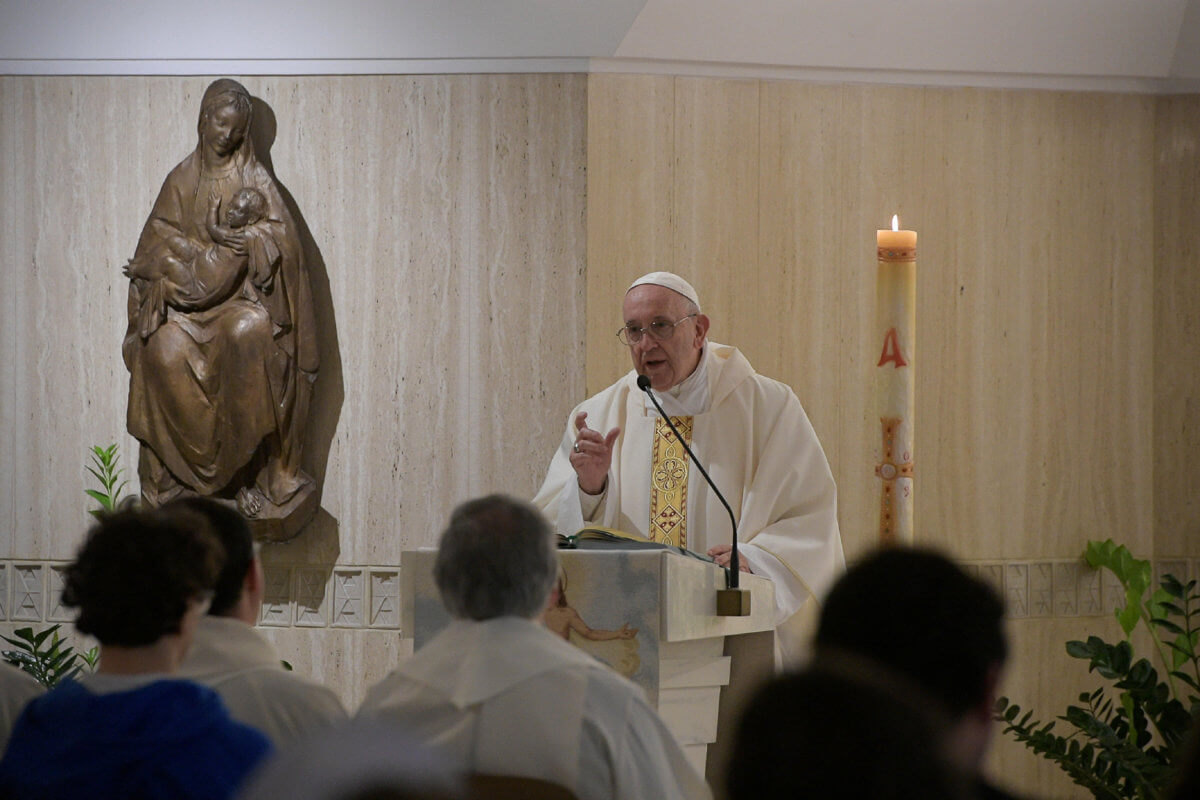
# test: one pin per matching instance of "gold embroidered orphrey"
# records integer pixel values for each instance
(668, 482)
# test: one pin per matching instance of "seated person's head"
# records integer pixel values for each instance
(140, 576)
(238, 589)
(496, 558)
(827, 735)
(247, 207)
(917, 613)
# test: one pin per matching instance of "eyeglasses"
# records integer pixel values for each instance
(659, 331)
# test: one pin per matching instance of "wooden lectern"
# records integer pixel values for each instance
(651, 615)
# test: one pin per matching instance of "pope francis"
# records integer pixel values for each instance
(620, 466)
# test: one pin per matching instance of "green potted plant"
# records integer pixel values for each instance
(1120, 740)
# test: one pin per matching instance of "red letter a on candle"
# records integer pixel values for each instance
(891, 350)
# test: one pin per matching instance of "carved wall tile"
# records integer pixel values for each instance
(28, 592)
(310, 598)
(277, 598)
(993, 574)
(1041, 589)
(58, 613)
(1066, 589)
(385, 599)
(1090, 604)
(348, 596)
(1016, 590)
(1112, 594)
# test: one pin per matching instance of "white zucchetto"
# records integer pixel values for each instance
(671, 281)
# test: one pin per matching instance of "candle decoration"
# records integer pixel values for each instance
(895, 326)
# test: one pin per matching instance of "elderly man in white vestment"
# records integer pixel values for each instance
(501, 695)
(618, 465)
(16, 690)
(233, 659)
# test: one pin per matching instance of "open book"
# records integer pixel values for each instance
(596, 533)
(600, 538)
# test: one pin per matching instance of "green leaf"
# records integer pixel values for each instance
(1166, 625)
(1078, 649)
(41, 637)
(1171, 608)
(1129, 614)
(1188, 679)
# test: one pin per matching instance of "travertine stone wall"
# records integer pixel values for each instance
(1056, 397)
(1177, 324)
(446, 216)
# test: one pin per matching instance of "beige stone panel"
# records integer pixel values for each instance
(527, 318)
(716, 201)
(812, 261)
(1037, 348)
(75, 200)
(630, 191)
(377, 167)
(1176, 325)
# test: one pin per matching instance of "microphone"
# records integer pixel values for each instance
(731, 602)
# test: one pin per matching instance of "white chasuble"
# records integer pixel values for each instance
(758, 445)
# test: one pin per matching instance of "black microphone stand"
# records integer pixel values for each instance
(731, 601)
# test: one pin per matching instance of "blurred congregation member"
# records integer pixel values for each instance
(826, 735)
(360, 760)
(141, 582)
(233, 659)
(501, 695)
(16, 690)
(920, 616)
(1185, 783)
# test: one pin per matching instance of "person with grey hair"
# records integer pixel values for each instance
(501, 695)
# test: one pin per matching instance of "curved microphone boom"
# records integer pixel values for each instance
(731, 573)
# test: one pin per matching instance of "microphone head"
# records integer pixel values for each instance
(643, 383)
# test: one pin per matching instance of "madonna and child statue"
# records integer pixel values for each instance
(221, 344)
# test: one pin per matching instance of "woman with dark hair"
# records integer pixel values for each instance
(140, 582)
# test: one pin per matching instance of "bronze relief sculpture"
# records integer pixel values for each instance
(221, 343)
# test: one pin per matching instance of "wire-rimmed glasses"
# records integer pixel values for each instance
(659, 330)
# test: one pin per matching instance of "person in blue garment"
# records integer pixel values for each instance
(141, 582)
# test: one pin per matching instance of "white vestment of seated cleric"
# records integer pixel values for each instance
(756, 442)
(507, 697)
(236, 662)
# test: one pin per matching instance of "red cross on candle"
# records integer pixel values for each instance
(889, 469)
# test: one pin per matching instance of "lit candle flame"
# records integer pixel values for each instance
(895, 222)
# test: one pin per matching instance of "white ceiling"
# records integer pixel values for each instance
(1123, 45)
